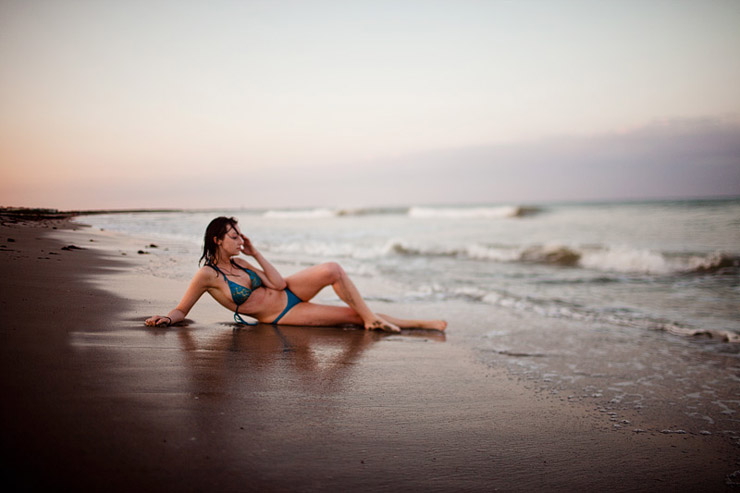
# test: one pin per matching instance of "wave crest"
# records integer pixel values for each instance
(551, 254)
(502, 212)
(560, 309)
(402, 248)
(623, 260)
(715, 262)
(300, 214)
(627, 260)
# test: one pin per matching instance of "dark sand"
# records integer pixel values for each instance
(93, 399)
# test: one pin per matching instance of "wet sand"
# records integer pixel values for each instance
(93, 399)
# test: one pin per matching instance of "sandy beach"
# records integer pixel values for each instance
(93, 399)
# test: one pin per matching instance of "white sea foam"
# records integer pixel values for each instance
(494, 259)
(606, 259)
(626, 260)
(615, 259)
(550, 309)
(712, 262)
(498, 254)
(468, 212)
(328, 250)
(301, 214)
(640, 261)
(499, 212)
(325, 212)
(400, 247)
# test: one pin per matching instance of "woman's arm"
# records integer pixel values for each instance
(195, 290)
(272, 278)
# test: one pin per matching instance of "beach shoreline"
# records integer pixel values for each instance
(99, 400)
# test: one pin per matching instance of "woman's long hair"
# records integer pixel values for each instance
(216, 229)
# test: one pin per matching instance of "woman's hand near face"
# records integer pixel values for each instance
(247, 247)
(272, 278)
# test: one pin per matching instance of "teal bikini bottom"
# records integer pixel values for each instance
(293, 300)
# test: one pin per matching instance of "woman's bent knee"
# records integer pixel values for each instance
(334, 271)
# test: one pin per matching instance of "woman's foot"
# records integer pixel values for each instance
(439, 325)
(380, 324)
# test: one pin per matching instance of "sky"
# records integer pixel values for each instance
(221, 104)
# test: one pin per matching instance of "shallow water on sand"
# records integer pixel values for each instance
(666, 266)
(630, 306)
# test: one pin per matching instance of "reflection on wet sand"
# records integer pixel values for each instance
(312, 359)
(280, 396)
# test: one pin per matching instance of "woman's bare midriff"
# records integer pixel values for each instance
(264, 304)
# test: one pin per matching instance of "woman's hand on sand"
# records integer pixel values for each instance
(158, 321)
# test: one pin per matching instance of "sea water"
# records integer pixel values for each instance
(631, 308)
(669, 266)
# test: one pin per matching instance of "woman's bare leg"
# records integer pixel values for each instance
(416, 324)
(308, 313)
(307, 283)
(327, 315)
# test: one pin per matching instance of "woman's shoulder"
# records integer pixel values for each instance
(205, 274)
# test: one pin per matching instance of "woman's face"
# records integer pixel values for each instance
(231, 243)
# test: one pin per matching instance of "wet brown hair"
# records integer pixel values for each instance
(216, 229)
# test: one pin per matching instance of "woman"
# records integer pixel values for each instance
(266, 296)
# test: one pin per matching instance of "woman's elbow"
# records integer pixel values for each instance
(278, 284)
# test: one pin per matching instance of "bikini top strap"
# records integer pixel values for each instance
(252, 274)
(237, 265)
(215, 267)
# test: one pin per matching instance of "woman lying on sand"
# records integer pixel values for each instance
(266, 296)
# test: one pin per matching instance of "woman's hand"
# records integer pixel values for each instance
(158, 321)
(272, 278)
(247, 247)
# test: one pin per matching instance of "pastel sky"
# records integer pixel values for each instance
(205, 104)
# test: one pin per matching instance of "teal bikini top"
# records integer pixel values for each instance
(240, 294)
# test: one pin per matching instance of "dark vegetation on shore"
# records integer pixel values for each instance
(17, 214)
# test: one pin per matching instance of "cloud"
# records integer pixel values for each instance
(676, 158)
(666, 159)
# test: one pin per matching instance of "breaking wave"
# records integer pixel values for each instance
(502, 212)
(607, 259)
(507, 211)
(560, 309)
(301, 214)
(621, 260)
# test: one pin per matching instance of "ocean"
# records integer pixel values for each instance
(615, 303)
(669, 266)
